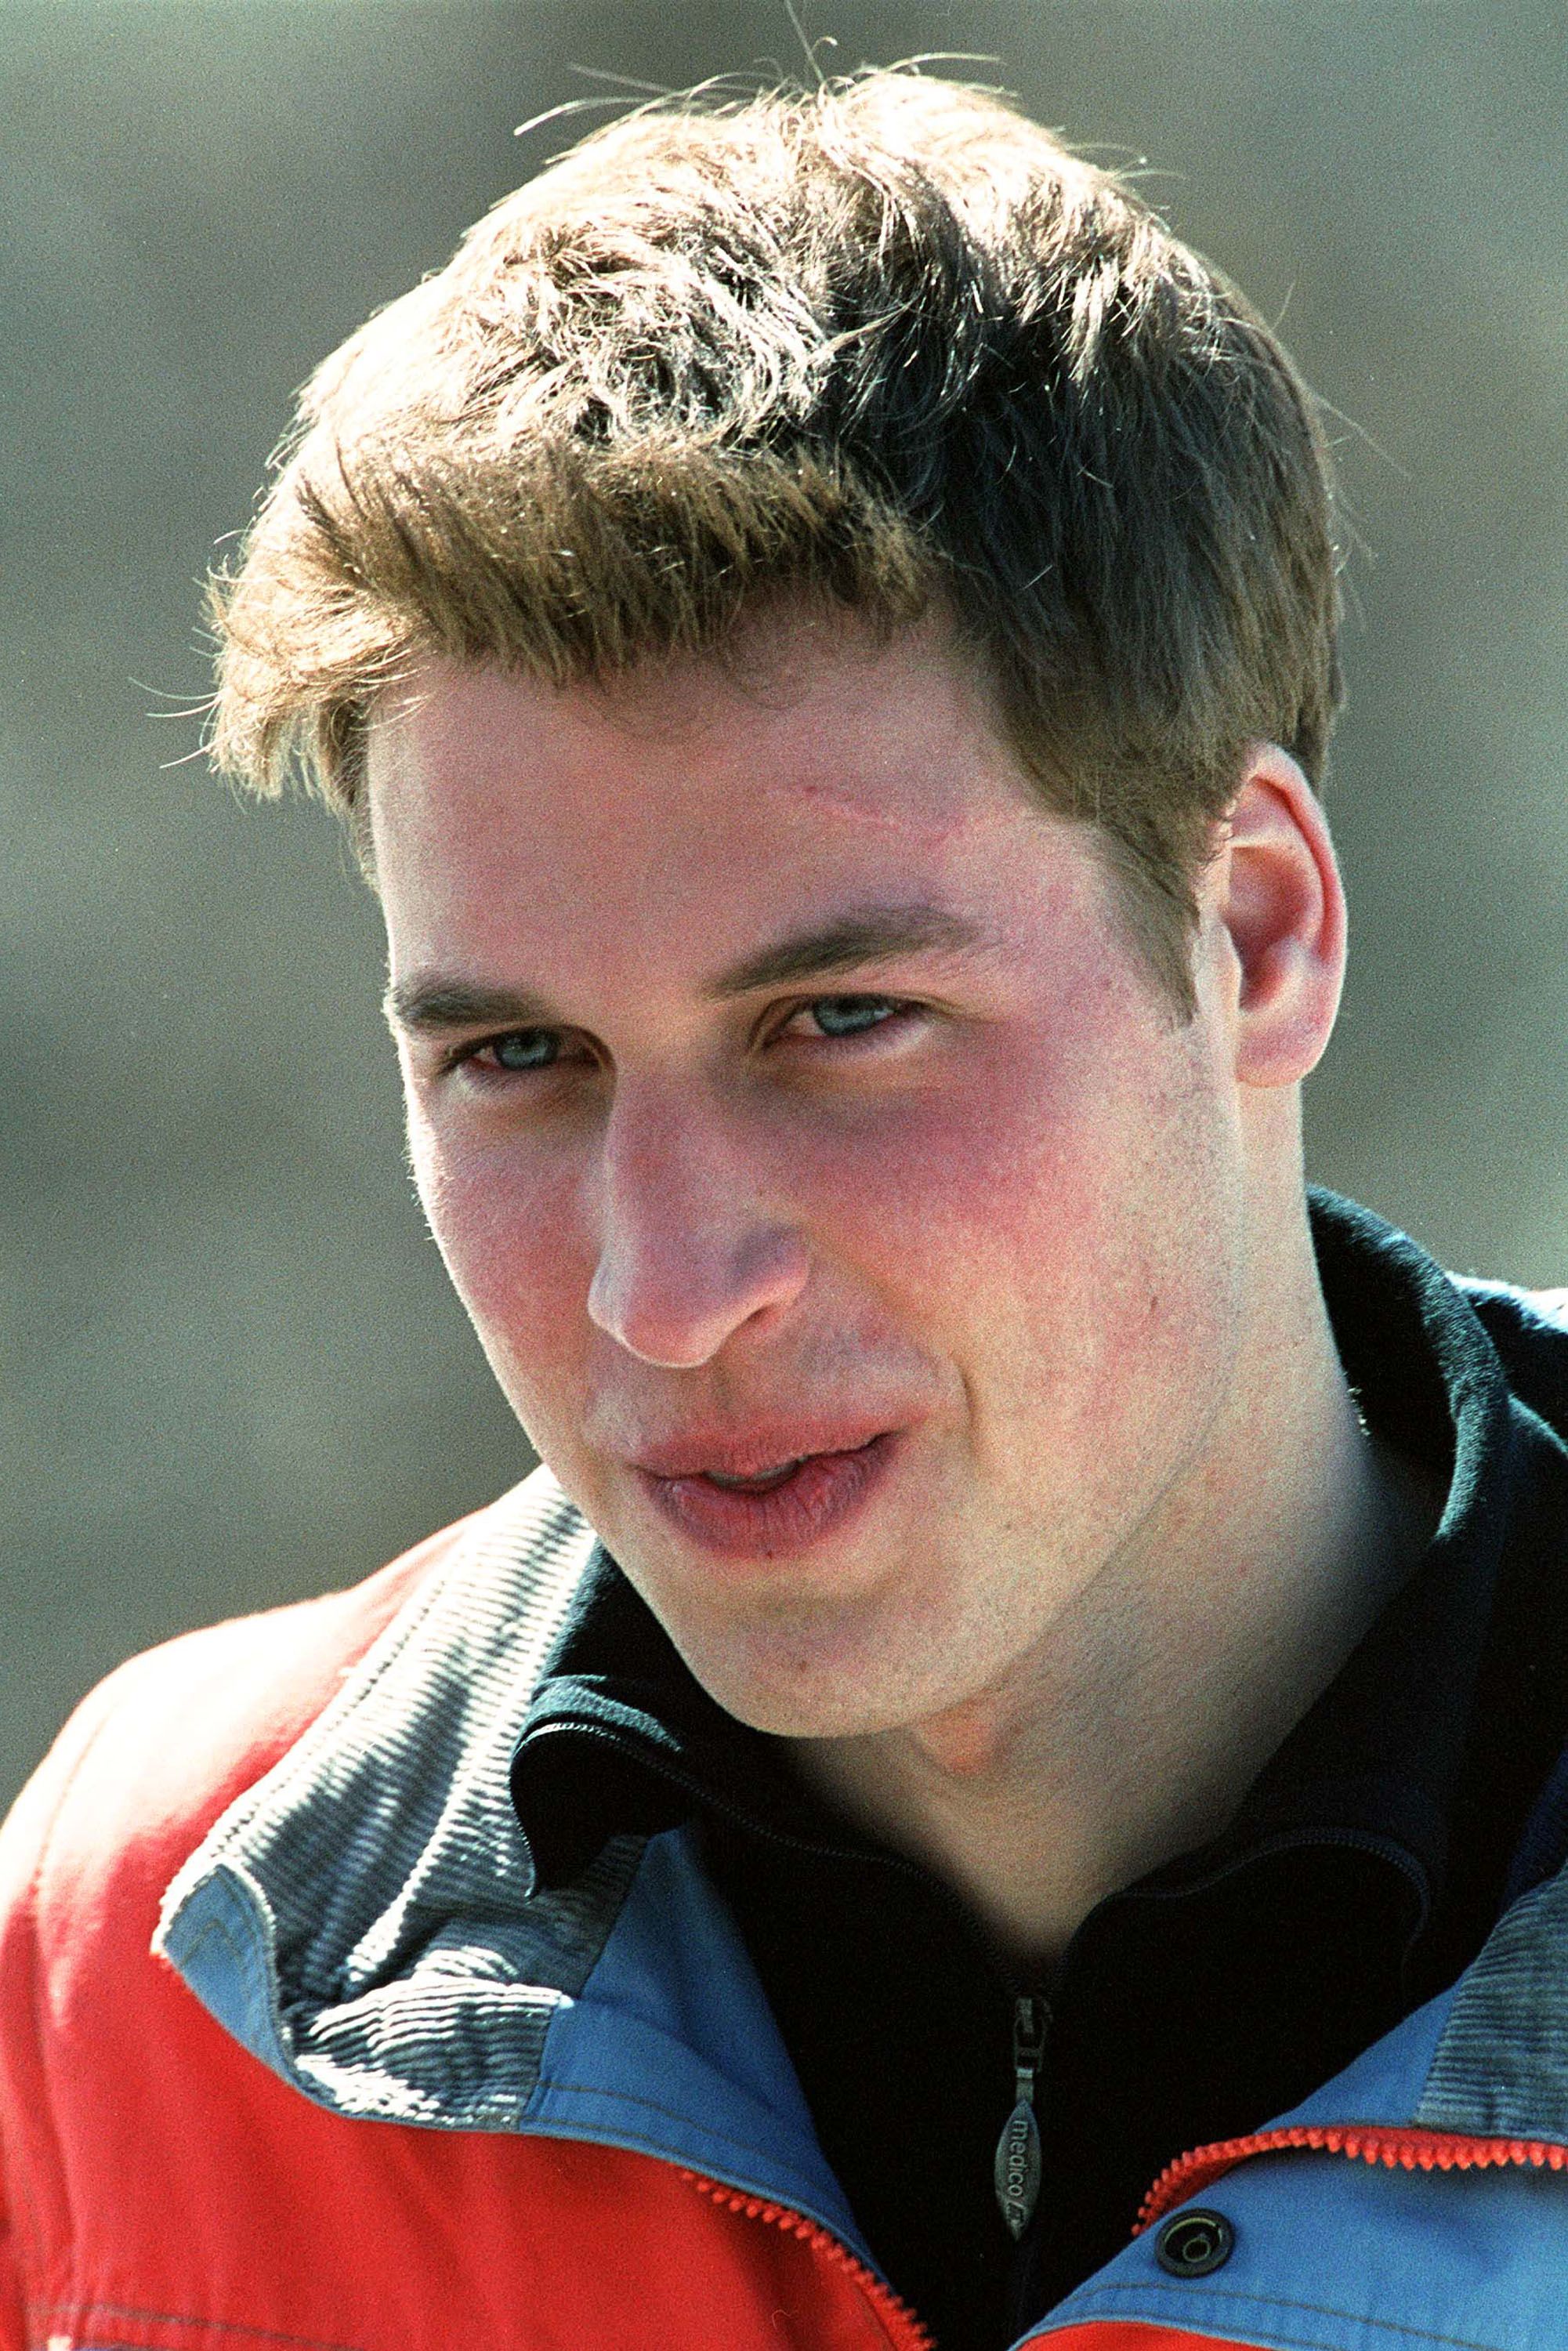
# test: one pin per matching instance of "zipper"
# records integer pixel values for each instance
(1019, 2165)
(1393, 2144)
(904, 2330)
(1189, 2173)
(1396, 2148)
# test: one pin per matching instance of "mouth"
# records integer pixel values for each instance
(784, 1505)
(766, 1481)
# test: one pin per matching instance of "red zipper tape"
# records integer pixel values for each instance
(904, 2330)
(1397, 2147)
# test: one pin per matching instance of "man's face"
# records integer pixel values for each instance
(853, 1227)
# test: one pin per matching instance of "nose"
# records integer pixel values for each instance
(688, 1252)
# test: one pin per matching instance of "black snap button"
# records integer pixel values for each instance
(1192, 2244)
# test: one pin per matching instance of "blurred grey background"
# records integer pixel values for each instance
(230, 1371)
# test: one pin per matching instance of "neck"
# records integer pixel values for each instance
(1134, 1730)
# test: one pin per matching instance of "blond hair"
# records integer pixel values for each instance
(887, 344)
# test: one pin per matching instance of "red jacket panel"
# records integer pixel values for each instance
(153, 2167)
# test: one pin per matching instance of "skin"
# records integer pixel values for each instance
(1025, 1215)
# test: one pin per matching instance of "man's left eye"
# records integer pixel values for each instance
(849, 1016)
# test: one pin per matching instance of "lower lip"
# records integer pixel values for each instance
(817, 1500)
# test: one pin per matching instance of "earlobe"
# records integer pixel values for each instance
(1281, 903)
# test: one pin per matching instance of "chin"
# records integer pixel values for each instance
(838, 1685)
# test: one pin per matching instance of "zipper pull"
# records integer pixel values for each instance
(1019, 2165)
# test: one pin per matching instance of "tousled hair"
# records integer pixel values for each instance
(887, 344)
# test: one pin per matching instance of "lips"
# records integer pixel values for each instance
(757, 1500)
(764, 1450)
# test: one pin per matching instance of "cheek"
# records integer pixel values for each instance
(1066, 1229)
(1006, 1167)
(1118, 1320)
(506, 1225)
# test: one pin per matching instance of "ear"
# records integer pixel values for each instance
(1278, 900)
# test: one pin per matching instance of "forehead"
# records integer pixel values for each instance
(691, 801)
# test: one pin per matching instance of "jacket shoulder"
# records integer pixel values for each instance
(1529, 1328)
(155, 1753)
(143, 1767)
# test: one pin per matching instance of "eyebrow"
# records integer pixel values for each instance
(434, 1003)
(875, 936)
(431, 1004)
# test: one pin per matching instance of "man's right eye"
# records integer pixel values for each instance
(490, 1062)
(526, 1049)
(516, 1052)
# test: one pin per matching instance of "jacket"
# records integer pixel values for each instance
(292, 2053)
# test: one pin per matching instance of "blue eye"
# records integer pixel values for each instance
(849, 1016)
(526, 1049)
